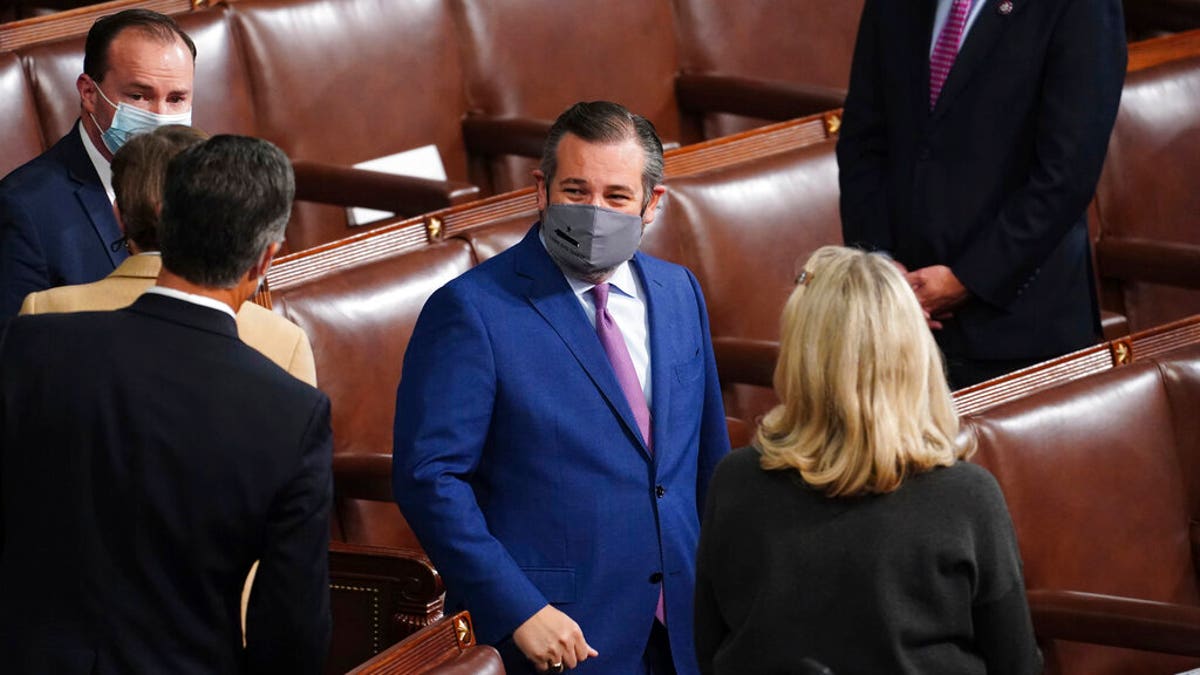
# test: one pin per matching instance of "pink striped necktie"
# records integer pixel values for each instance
(946, 48)
(618, 355)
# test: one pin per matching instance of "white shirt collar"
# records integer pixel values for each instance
(201, 300)
(103, 168)
(622, 278)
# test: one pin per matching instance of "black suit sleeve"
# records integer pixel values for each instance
(862, 148)
(288, 621)
(22, 263)
(708, 625)
(1083, 73)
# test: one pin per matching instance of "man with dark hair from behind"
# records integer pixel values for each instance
(56, 220)
(148, 457)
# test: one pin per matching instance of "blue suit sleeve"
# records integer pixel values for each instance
(444, 406)
(1080, 91)
(714, 433)
(22, 263)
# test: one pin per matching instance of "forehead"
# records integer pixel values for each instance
(618, 163)
(135, 54)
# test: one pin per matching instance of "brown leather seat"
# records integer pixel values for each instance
(532, 59)
(345, 81)
(1147, 199)
(20, 135)
(798, 47)
(745, 230)
(359, 319)
(1101, 478)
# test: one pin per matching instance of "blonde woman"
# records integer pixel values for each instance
(851, 532)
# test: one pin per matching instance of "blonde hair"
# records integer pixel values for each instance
(864, 400)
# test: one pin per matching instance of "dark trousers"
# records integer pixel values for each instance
(657, 657)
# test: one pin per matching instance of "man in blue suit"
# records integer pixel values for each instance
(56, 212)
(551, 466)
(973, 137)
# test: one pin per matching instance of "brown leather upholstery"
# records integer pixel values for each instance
(359, 319)
(20, 135)
(808, 43)
(345, 81)
(447, 647)
(1093, 475)
(1148, 199)
(532, 58)
(745, 231)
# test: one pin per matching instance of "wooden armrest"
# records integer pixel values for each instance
(764, 99)
(492, 136)
(403, 195)
(447, 646)
(363, 476)
(744, 361)
(1174, 263)
(1116, 621)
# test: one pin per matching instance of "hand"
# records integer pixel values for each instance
(938, 291)
(550, 638)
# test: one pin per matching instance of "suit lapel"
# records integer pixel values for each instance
(92, 198)
(553, 299)
(658, 322)
(981, 40)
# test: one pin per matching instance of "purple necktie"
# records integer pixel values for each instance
(618, 355)
(946, 48)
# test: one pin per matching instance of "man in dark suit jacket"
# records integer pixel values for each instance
(148, 458)
(56, 212)
(558, 493)
(981, 190)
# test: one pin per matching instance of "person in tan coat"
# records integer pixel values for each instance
(138, 171)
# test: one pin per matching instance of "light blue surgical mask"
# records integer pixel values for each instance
(130, 121)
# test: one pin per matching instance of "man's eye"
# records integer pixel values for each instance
(176, 99)
(572, 191)
(619, 198)
(135, 97)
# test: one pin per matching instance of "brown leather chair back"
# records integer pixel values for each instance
(446, 647)
(1148, 188)
(1091, 471)
(745, 231)
(20, 135)
(346, 81)
(359, 320)
(533, 59)
(792, 41)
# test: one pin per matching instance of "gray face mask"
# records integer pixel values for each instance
(586, 240)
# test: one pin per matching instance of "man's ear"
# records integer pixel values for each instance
(264, 261)
(539, 182)
(652, 207)
(87, 93)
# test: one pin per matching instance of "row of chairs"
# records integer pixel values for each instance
(338, 82)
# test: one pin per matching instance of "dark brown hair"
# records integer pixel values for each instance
(138, 172)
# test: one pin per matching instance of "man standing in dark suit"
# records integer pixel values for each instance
(56, 219)
(973, 137)
(148, 457)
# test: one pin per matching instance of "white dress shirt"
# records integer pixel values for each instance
(103, 168)
(943, 15)
(202, 300)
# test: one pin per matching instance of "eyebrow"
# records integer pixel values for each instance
(143, 87)
(582, 182)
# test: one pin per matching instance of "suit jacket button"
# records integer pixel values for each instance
(656, 578)
(660, 491)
